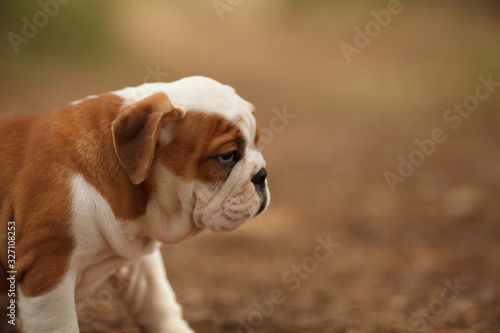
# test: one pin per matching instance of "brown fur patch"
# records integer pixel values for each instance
(35, 196)
(198, 139)
(135, 133)
(86, 127)
(39, 155)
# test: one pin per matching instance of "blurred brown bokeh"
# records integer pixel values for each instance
(420, 254)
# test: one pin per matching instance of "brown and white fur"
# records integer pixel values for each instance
(95, 187)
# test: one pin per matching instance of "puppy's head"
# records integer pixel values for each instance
(195, 142)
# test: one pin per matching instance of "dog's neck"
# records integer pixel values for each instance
(169, 214)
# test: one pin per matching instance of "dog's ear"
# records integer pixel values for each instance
(136, 130)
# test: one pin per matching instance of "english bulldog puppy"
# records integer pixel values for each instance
(90, 191)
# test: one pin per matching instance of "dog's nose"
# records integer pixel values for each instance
(259, 178)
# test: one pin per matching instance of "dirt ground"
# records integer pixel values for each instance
(396, 254)
(338, 250)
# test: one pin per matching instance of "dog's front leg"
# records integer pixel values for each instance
(52, 312)
(149, 297)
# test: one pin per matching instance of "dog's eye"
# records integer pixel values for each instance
(226, 158)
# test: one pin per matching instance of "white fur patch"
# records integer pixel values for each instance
(95, 225)
(55, 309)
(202, 94)
(103, 243)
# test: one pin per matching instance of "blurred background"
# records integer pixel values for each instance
(349, 94)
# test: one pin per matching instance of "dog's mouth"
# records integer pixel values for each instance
(231, 212)
(222, 220)
(263, 205)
